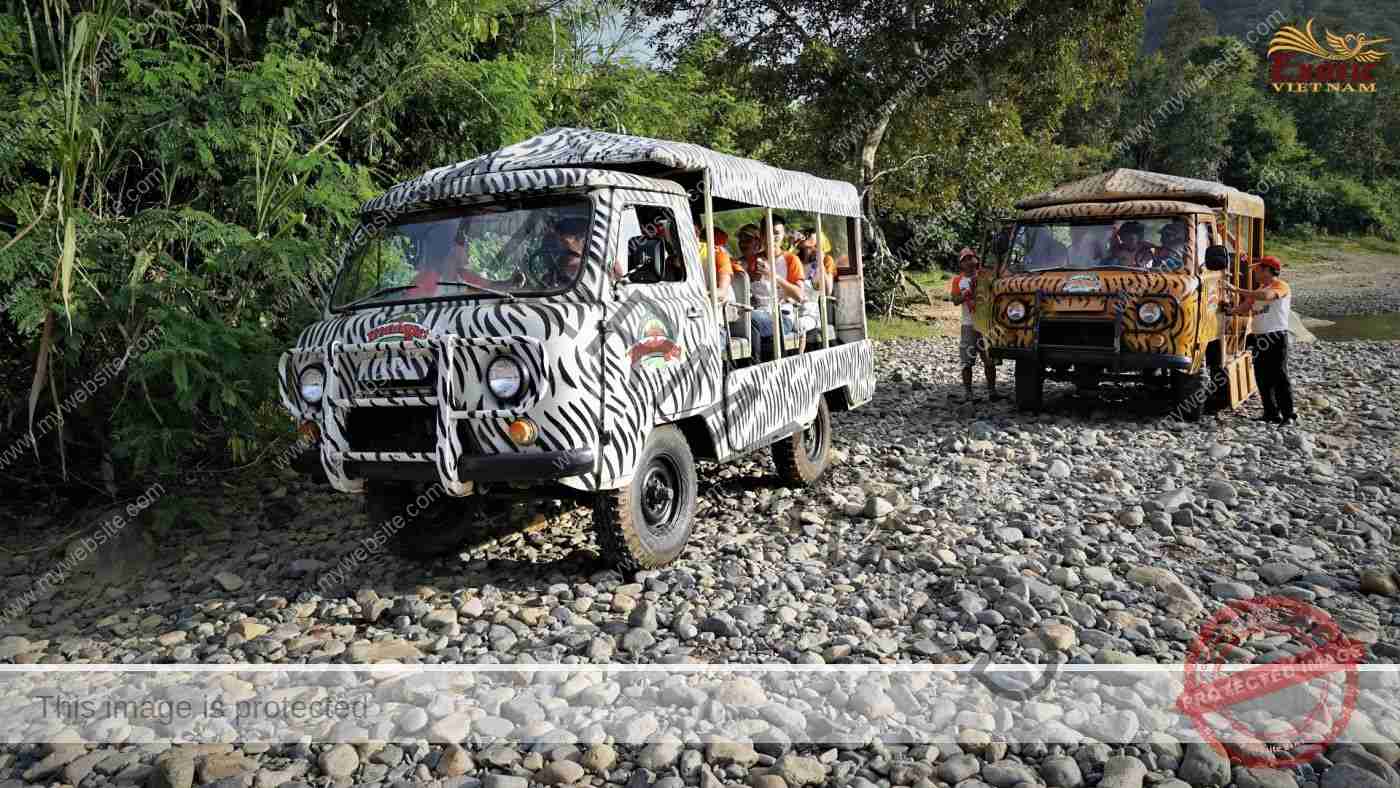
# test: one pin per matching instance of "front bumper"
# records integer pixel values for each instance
(537, 467)
(445, 454)
(1109, 359)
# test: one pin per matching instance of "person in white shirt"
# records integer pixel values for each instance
(1270, 304)
(971, 346)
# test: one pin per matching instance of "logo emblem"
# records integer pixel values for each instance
(655, 348)
(1083, 283)
(1347, 62)
(399, 328)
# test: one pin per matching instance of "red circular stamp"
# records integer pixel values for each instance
(1276, 714)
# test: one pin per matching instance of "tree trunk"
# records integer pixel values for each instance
(870, 146)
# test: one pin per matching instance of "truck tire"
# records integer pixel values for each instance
(803, 456)
(648, 523)
(1030, 385)
(428, 531)
(1189, 395)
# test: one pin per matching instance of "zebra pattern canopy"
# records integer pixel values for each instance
(732, 179)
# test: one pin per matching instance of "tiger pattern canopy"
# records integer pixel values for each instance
(1125, 184)
(734, 182)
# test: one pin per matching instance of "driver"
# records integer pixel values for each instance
(1171, 256)
(1129, 246)
(566, 248)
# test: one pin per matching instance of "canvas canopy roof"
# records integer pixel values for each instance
(1124, 184)
(735, 182)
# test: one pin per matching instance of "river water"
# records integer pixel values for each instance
(1377, 327)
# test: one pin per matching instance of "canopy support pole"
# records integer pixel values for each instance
(823, 292)
(854, 239)
(712, 265)
(768, 243)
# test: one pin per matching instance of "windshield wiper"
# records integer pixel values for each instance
(483, 288)
(383, 291)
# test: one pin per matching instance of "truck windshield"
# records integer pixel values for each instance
(491, 251)
(1145, 244)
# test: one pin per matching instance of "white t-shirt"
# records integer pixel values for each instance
(1272, 316)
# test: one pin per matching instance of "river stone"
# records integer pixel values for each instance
(1264, 778)
(1008, 774)
(1376, 581)
(800, 770)
(560, 773)
(1061, 771)
(340, 761)
(1277, 573)
(1123, 771)
(1204, 766)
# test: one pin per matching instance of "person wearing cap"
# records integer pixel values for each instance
(963, 290)
(1129, 245)
(1172, 253)
(814, 262)
(1270, 303)
(724, 267)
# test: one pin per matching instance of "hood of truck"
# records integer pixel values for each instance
(1098, 283)
(542, 320)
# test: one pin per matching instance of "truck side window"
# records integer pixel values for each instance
(642, 223)
(1202, 242)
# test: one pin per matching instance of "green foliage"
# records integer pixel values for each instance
(1323, 161)
(184, 175)
(1188, 26)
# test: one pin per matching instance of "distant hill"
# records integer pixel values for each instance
(1236, 17)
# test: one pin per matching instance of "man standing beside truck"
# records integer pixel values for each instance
(1270, 304)
(970, 344)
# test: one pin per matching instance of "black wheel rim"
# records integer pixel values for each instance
(812, 439)
(660, 495)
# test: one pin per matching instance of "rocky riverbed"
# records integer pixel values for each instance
(1097, 532)
(1338, 301)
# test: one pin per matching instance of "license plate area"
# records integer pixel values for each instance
(410, 369)
(1081, 304)
(1096, 334)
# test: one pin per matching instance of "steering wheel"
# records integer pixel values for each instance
(541, 270)
(1147, 254)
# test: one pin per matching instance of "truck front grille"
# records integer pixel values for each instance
(1096, 334)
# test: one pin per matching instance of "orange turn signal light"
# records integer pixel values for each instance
(523, 432)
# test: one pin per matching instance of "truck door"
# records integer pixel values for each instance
(672, 340)
(995, 246)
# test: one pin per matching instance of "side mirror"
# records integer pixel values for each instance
(646, 260)
(1217, 258)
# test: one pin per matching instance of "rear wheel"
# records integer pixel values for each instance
(422, 521)
(803, 456)
(1030, 385)
(647, 523)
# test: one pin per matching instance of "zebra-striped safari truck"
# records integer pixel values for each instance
(543, 322)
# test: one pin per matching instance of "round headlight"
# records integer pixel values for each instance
(313, 384)
(1149, 312)
(1015, 311)
(505, 378)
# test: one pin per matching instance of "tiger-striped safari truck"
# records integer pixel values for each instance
(1120, 276)
(541, 323)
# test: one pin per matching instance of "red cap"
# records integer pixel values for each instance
(965, 253)
(1269, 261)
